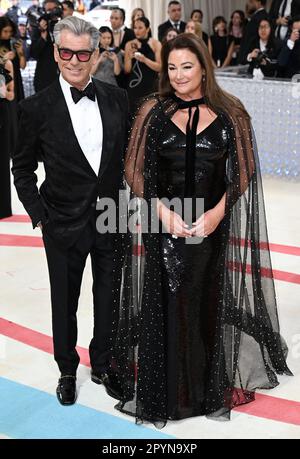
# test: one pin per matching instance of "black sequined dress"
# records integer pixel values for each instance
(188, 268)
(196, 326)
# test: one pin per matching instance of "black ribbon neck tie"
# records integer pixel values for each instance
(191, 139)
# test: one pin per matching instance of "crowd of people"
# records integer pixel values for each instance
(266, 42)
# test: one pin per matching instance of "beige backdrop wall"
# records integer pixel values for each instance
(156, 10)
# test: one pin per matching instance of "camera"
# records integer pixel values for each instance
(51, 17)
(261, 60)
(13, 42)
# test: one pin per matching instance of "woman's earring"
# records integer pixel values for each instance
(203, 78)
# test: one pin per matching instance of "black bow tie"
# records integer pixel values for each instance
(89, 92)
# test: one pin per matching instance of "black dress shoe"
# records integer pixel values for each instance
(66, 390)
(111, 383)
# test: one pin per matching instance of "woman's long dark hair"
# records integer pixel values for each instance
(243, 21)
(7, 22)
(217, 99)
(105, 29)
(271, 40)
(217, 20)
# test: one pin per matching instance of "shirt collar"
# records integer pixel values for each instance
(65, 86)
(121, 29)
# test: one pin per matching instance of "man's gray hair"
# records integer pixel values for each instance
(78, 27)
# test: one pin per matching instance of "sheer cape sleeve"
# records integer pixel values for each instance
(248, 350)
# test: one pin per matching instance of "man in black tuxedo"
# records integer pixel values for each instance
(80, 126)
(257, 7)
(174, 21)
(280, 13)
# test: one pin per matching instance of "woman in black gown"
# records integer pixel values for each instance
(221, 45)
(6, 96)
(142, 63)
(197, 327)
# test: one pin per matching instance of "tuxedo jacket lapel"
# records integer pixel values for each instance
(61, 124)
(107, 117)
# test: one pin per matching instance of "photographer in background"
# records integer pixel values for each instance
(110, 61)
(33, 13)
(265, 51)
(289, 58)
(42, 45)
(14, 12)
(257, 11)
(11, 47)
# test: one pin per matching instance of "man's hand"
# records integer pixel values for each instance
(282, 21)
(295, 35)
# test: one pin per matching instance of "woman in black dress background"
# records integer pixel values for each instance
(141, 63)
(6, 96)
(197, 331)
(11, 47)
(236, 32)
(220, 45)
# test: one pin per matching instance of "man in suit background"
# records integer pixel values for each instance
(257, 8)
(80, 126)
(280, 13)
(174, 21)
(289, 58)
(121, 33)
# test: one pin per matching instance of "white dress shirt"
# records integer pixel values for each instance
(87, 125)
(284, 13)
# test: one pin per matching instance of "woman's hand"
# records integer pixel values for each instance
(254, 54)
(112, 56)
(19, 48)
(10, 55)
(207, 223)
(103, 56)
(139, 57)
(3, 91)
(172, 222)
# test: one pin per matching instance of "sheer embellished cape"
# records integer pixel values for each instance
(248, 351)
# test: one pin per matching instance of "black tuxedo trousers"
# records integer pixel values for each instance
(66, 268)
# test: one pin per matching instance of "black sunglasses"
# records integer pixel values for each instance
(83, 55)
